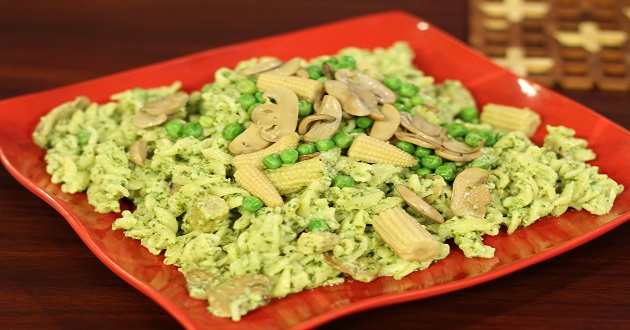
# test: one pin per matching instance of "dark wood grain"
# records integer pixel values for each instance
(48, 277)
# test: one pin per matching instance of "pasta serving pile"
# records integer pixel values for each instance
(283, 176)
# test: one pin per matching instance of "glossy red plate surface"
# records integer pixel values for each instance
(439, 55)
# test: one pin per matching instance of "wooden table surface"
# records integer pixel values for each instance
(48, 277)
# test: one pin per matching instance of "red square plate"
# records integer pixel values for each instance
(438, 55)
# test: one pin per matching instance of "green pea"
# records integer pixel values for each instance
(252, 107)
(401, 107)
(231, 131)
(364, 122)
(259, 97)
(406, 146)
(306, 149)
(342, 140)
(83, 136)
(252, 204)
(314, 72)
(317, 224)
(342, 181)
(445, 172)
(469, 114)
(392, 83)
(408, 90)
(473, 139)
(431, 161)
(304, 108)
(324, 145)
(481, 162)
(174, 129)
(246, 86)
(193, 129)
(206, 121)
(417, 100)
(272, 161)
(422, 151)
(491, 137)
(423, 171)
(358, 130)
(322, 79)
(406, 101)
(457, 129)
(347, 61)
(450, 164)
(289, 156)
(333, 63)
(246, 100)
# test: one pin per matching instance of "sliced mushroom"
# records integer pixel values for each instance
(461, 147)
(406, 122)
(144, 120)
(261, 67)
(251, 290)
(354, 77)
(385, 129)
(169, 105)
(417, 140)
(306, 122)
(248, 141)
(426, 127)
(138, 152)
(322, 130)
(456, 156)
(363, 269)
(287, 68)
(350, 100)
(470, 197)
(418, 204)
(437, 191)
(279, 118)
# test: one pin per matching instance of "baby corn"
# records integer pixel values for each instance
(257, 184)
(287, 141)
(371, 150)
(291, 178)
(405, 236)
(308, 89)
(510, 118)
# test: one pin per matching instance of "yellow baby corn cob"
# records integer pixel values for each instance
(372, 150)
(291, 178)
(409, 239)
(257, 184)
(287, 141)
(308, 89)
(511, 118)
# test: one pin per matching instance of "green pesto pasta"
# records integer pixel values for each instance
(189, 207)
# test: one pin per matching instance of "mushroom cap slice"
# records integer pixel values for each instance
(417, 140)
(351, 102)
(138, 152)
(169, 105)
(456, 156)
(421, 124)
(322, 130)
(385, 129)
(461, 147)
(287, 68)
(261, 67)
(248, 141)
(470, 197)
(308, 121)
(145, 120)
(406, 122)
(279, 118)
(354, 77)
(418, 204)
